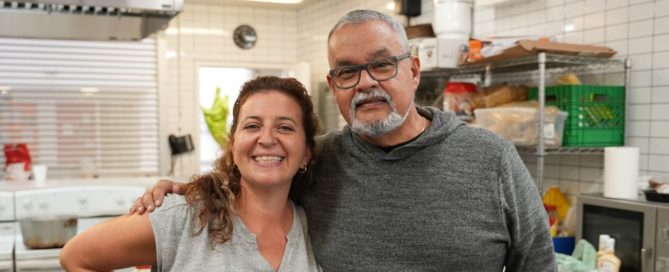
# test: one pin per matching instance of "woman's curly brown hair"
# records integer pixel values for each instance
(214, 194)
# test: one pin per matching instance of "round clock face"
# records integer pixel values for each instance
(245, 36)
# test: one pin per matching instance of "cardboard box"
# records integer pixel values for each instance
(438, 52)
(532, 47)
(419, 31)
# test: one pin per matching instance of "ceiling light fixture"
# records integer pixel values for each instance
(390, 6)
(89, 90)
(569, 28)
(279, 1)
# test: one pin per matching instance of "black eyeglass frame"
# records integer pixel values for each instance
(394, 59)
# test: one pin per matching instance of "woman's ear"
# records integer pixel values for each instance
(231, 142)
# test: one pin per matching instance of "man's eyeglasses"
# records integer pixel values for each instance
(346, 77)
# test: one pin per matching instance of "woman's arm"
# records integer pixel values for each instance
(122, 242)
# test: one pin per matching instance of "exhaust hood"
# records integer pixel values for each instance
(122, 20)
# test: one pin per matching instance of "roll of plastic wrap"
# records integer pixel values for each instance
(621, 171)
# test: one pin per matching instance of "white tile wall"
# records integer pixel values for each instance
(661, 77)
(639, 112)
(641, 143)
(593, 36)
(640, 29)
(531, 6)
(659, 128)
(574, 9)
(616, 32)
(574, 37)
(613, 4)
(576, 23)
(590, 187)
(660, 94)
(636, 2)
(616, 16)
(661, 8)
(661, 25)
(641, 11)
(658, 161)
(593, 20)
(639, 96)
(641, 78)
(660, 146)
(659, 112)
(594, 6)
(553, 3)
(638, 128)
(661, 43)
(661, 60)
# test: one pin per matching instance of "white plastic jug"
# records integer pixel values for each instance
(452, 19)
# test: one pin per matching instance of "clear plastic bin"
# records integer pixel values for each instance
(519, 125)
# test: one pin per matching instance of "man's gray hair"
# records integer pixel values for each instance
(360, 16)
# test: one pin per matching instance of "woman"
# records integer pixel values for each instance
(238, 217)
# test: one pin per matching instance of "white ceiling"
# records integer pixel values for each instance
(254, 3)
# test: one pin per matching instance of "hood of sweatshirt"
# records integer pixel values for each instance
(442, 126)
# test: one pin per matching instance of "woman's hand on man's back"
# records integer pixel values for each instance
(153, 197)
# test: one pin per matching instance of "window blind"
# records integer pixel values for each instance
(83, 108)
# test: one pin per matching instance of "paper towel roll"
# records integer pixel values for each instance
(621, 171)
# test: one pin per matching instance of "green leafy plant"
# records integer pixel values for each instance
(216, 118)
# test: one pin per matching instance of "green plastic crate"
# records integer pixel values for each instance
(596, 113)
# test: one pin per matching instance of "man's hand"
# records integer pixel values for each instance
(153, 197)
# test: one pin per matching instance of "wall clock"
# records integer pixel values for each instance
(245, 36)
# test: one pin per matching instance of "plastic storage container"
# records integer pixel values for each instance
(519, 125)
(596, 113)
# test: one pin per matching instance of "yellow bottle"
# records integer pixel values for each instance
(606, 259)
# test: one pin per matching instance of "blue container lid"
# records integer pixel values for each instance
(564, 245)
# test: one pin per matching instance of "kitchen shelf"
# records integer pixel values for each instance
(564, 150)
(528, 64)
(542, 64)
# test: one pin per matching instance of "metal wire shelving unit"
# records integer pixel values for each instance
(542, 64)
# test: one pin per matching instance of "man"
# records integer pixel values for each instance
(405, 188)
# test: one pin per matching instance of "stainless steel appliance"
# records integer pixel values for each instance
(640, 227)
(7, 231)
(121, 20)
(92, 204)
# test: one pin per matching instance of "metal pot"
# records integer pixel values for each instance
(48, 231)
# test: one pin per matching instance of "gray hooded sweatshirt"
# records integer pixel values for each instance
(456, 198)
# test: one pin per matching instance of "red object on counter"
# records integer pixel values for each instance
(460, 87)
(459, 98)
(17, 153)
